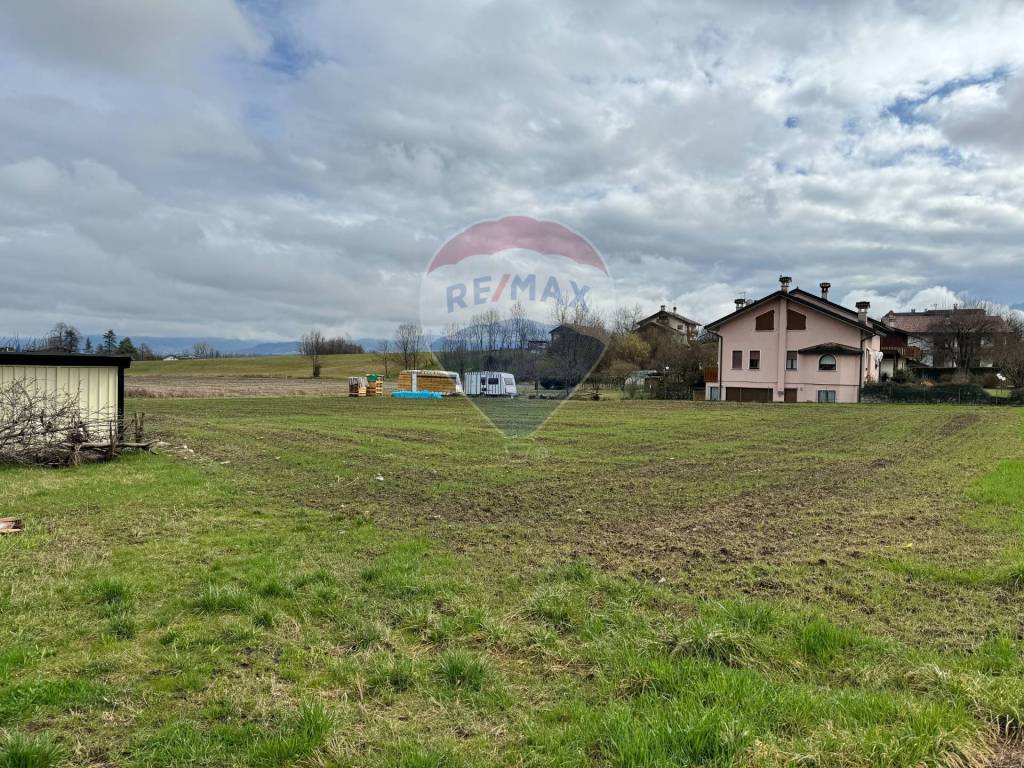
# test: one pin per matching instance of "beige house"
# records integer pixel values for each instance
(97, 381)
(794, 346)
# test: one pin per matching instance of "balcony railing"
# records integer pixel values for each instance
(904, 350)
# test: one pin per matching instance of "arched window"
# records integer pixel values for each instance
(827, 363)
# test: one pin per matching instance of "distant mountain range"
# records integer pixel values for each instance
(172, 345)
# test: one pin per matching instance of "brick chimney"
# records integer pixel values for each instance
(862, 311)
(824, 290)
(784, 281)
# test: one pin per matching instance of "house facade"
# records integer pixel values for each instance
(965, 338)
(795, 346)
(666, 325)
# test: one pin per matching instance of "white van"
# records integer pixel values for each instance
(490, 384)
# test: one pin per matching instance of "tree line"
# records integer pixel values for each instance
(576, 344)
(65, 338)
(314, 345)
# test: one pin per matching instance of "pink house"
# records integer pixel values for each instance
(794, 346)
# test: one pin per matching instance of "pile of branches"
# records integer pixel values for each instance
(44, 428)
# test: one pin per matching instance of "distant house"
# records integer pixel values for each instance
(574, 350)
(639, 378)
(965, 338)
(664, 324)
(795, 346)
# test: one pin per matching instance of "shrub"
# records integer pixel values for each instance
(463, 670)
(17, 751)
(216, 598)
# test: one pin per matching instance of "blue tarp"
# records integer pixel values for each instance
(417, 395)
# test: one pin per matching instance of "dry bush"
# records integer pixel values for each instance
(45, 428)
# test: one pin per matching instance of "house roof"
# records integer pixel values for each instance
(64, 359)
(594, 331)
(820, 305)
(830, 349)
(665, 313)
(925, 321)
(852, 313)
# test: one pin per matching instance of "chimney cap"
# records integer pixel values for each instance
(740, 303)
(662, 307)
(863, 305)
(674, 308)
(825, 284)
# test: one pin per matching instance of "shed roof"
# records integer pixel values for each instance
(65, 359)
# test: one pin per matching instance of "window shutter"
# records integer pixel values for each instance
(765, 322)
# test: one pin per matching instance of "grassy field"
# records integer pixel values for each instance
(342, 582)
(294, 366)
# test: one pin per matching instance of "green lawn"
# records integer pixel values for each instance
(295, 366)
(350, 582)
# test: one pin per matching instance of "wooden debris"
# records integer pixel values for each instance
(11, 525)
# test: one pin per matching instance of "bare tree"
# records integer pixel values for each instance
(18, 344)
(63, 338)
(624, 319)
(1009, 354)
(409, 343)
(966, 336)
(203, 351)
(312, 346)
(454, 349)
(578, 343)
(384, 355)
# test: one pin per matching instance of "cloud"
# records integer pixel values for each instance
(254, 169)
(129, 37)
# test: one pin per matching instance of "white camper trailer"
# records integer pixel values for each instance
(491, 384)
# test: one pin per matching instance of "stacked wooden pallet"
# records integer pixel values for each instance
(357, 386)
(374, 385)
(444, 382)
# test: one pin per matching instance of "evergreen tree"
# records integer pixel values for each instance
(88, 346)
(109, 342)
(126, 347)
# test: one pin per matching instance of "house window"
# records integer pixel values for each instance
(827, 363)
(791, 361)
(737, 360)
(765, 322)
(826, 395)
(714, 393)
(755, 359)
(796, 321)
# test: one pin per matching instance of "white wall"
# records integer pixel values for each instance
(94, 386)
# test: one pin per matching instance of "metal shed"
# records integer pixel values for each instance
(97, 380)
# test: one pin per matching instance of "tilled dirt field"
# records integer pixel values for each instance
(230, 386)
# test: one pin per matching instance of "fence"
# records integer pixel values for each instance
(948, 394)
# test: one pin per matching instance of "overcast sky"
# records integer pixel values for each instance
(250, 169)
